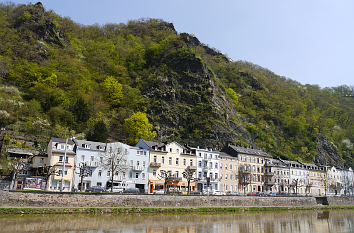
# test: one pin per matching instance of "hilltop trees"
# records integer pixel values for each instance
(138, 126)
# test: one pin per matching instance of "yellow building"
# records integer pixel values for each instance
(228, 171)
(172, 159)
(317, 180)
(57, 148)
(251, 167)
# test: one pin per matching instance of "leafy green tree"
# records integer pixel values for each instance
(233, 96)
(138, 126)
(112, 91)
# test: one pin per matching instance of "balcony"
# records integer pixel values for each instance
(193, 168)
(92, 164)
(269, 173)
(154, 164)
(137, 168)
(206, 168)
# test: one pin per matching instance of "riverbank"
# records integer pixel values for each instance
(128, 210)
(59, 200)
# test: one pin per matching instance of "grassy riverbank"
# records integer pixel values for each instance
(106, 210)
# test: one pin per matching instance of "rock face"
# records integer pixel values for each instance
(39, 21)
(327, 153)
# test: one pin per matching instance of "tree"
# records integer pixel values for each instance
(17, 165)
(138, 126)
(112, 91)
(167, 177)
(114, 160)
(244, 177)
(84, 171)
(99, 132)
(46, 172)
(188, 174)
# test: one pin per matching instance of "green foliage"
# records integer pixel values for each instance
(25, 16)
(233, 96)
(138, 126)
(112, 91)
(98, 133)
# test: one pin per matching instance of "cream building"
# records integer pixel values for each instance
(228, 170)
(251, 167)
(57, 148)
(170, 158)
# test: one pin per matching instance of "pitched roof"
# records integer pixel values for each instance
(93, 145)
(61, 140)
(249, 151)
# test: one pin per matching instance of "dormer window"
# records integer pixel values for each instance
(62, 147)
(86, 146)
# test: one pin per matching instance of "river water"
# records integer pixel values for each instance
(243, 222)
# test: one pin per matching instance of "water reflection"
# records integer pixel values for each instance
(307, 221)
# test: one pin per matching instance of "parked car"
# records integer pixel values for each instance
(260, 194)
(271, 194)
(251, 194)
(160, 191)
(96, 189)
(195, 192)
(232, 194)
(217, 193)
(131, 190)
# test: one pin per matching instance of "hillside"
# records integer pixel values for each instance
(60, 78)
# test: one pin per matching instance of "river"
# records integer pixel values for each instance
(242, 222)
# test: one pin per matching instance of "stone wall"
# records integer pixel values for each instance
(22, 199)
(341, 201)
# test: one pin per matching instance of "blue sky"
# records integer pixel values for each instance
(311, 41)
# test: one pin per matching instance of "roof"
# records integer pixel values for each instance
(61, 140)
(151, 143)
(249, 151)
(93, 145)
(223, 154)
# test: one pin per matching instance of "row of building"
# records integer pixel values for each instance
(155, 167)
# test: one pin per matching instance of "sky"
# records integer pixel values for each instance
(310, 41)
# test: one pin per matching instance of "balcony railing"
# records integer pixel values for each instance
(154, 164)
(92, 164)
(137, 168)
(192, 168)
(269, 173)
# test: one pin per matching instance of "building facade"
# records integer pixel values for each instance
(228, 170)
(57, 149)
(167, 164)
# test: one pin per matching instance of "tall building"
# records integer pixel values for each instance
(57, 149)
(228, 170)
(168, 161)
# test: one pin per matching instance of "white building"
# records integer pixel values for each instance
(207, 169)
(334, 181)
(94, 155)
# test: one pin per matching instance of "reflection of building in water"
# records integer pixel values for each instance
(247, 222)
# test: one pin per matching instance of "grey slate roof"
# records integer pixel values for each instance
(93, 145)
(249, 151)
(61, 140)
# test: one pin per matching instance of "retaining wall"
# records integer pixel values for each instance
(20, 199)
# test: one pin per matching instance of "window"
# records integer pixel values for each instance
(177, 173)
(200, 154)
(231, 166)
(123, 174)
(101, 159)
(231, 176)
(60, 172)
(177, 161)
(191, 162)
(60, 158)
(216, 165)
(184, 162)
(225, 176)
(137, 163)
(108, 173)
(211, 164)
(200, 163)
(163, 159)
(177, 150)
(216, 175)
(154, 172)
(92, 158)
(62, 147)
(220, 165)
(155, 159)
(170, 149)
(143, 176)
(41, 160)
(199, 174)
(100, 173)
(144, 152)
(226, 166)
(144, 164)
(170, 160)
(99, 184)
(137, 175)
(82, 157)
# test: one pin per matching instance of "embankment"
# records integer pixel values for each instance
(23, 199)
